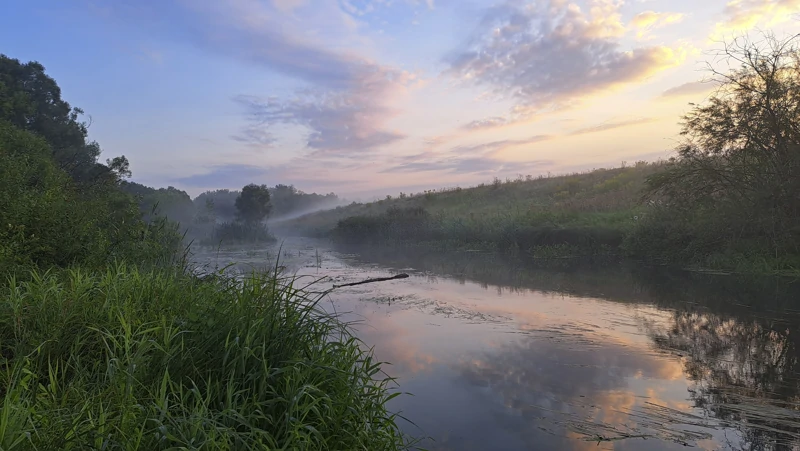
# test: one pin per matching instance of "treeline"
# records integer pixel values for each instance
(729, 199)
(286, 200)
(212, 217)
(110, 340)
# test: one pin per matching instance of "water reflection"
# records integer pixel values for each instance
(729, 353)
(502, 354)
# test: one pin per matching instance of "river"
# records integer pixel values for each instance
(502, 354)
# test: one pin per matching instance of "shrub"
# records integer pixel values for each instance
(237, 232)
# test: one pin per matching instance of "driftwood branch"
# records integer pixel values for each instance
(378, 279)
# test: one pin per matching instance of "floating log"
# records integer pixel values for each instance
(377, 279)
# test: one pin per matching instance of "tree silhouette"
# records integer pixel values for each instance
(253, 204)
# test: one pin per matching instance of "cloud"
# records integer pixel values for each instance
(470, 159)
(612, 125)
(255, 137)
(650, 20)
(225, 176)
(346, 103)
(486, 123)
(474, 166)
(742, 15)
(549, 54)
(496, 146)
(350, 120)
(690, 88)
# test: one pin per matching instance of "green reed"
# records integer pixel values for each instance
(129, 359)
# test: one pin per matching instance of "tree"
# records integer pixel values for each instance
(253, 204)
(739, 161)
(223, 200)
(31, 100)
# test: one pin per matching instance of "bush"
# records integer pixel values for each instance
(45, 221)
(237, 232)
(394, 224)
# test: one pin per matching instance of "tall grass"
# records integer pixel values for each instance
(131, 359)
(583, 214)
(603, 197)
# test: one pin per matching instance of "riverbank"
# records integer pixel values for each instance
(602, 213)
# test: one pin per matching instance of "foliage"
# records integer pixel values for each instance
(572, 215)
(535, 235)
(31, 100)
(609, 197)
(37, 207)
(252, 205)
(237, 232)
(46, 221)
(60, 206)
(126, 359)
(169, 202)
(733, 188)
(223, 202)
(395, 224)
(285, 199)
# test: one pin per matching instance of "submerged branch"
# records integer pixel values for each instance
(377, 279)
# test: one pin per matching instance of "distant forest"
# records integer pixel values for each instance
(219, 206)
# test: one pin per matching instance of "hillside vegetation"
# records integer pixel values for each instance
(496, 215)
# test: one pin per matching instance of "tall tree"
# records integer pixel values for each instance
(31, 100)
(740, 158)
(253, 204)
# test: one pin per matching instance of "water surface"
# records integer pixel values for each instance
(502, 354)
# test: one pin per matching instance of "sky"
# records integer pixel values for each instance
(372, 97)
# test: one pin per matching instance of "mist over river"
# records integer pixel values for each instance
(498, 353)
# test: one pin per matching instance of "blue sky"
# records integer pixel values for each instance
(369, 97)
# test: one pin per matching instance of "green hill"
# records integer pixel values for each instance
(607, 201)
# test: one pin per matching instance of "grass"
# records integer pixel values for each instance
(598, 198)
(129, 359)
(572, 215)
(604, 212)
(577, 215)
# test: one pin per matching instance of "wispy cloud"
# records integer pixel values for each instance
(469, 159)
(690, 88)
(255, 137)
(742, 15)
(612, 125)
(646, 21)
(471, 166)
(548, 54)
(223, 176)
(493, 147)
(348, 99)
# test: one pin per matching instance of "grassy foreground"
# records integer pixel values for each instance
(146, 360)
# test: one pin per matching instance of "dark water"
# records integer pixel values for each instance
(501, 354)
